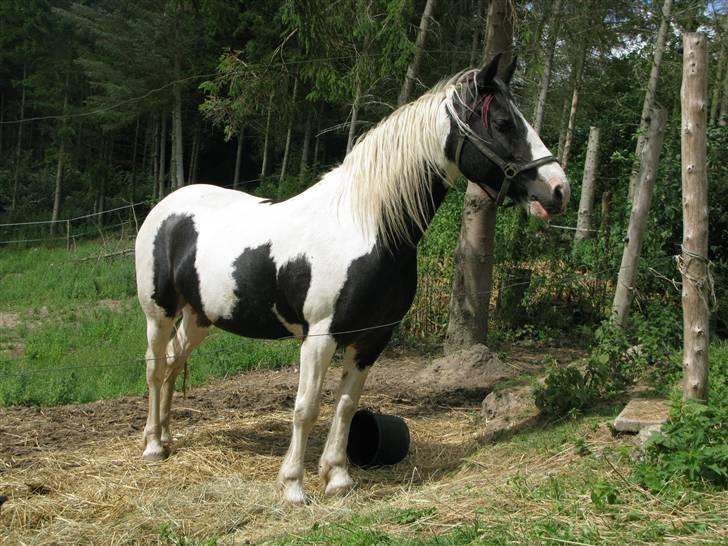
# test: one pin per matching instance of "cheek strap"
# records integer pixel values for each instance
(484, 110)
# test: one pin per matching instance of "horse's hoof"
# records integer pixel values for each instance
(293, 493)
(154, 455)
(340, 484)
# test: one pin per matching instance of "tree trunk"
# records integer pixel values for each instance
(19, 147)
(266, 138)
(548, 61)
(194, 166)
(162, 158)
(2, 121)
(59, 166)
(179, 174)
(717, 87)
(604, 221)
(238, 158)
(586, 203)
(475, 42)
(578, 71)
(647, 105)
(638, 218)
(723, 114)
(413, 70)
(133, 160)
(694, 263)
(354, 117)
(473, 275)
(289, 132)
(306, 146)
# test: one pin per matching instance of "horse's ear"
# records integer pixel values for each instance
(508, 73)
(486, 74)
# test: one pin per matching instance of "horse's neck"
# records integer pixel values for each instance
(439, 187)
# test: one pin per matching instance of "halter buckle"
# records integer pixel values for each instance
(510, 170)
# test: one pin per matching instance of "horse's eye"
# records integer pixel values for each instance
(503, 125)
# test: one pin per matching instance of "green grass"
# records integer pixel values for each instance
(74, 347)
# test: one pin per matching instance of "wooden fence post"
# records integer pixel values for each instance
(693, 263)
(638, 218)
(586, 202)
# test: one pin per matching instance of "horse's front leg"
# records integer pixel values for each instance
(316, 353)
(332, 467)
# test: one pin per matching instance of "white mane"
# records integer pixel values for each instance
(390, 168)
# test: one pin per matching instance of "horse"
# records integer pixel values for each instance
(335, 265)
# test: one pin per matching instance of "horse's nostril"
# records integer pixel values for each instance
(559, 193)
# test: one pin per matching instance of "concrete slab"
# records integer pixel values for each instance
(640, 413)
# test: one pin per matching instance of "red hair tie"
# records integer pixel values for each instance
(484, 112)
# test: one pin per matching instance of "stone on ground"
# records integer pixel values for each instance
(640, 413)
(476, 367)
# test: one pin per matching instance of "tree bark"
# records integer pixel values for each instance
(134, 160)
(578, 71)
(638, 218)
(717, 88)
(195, 154)
(238, 158)
(475, 39)
(162, 157)
(306, 146)
(473, 275)
(59, 166)
(19, 146)
(413, 70)
(586, 202)
(694, 263)
(649, 101)
(289, 132)
(354, 117)
(179, 174)
(266, 138)
(548, 61)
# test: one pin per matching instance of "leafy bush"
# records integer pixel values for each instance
(692, 446)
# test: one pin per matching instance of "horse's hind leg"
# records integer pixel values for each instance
(158, 334)
(316, 353)
(189, 335)
(332, 467)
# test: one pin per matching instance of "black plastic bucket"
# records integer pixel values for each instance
(376, 439)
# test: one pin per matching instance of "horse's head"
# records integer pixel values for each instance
(494, 146)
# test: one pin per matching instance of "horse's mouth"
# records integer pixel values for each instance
(535, 208)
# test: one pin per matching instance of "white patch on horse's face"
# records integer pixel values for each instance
(551, 188)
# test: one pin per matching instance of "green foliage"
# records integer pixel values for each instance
(691, 446)
(619, 357)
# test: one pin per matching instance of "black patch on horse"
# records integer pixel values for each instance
(379, 290)
(259, 287)
(175, 277)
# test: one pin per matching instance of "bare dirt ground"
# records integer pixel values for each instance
(73, 474)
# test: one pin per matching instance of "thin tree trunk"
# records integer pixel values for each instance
(195, 153)
(162, 157)
(179, 174)
(473, 274)
(238, 158)
(572, 111)
(563, 125)
(604, 222)
(624, 292)
(717, 88)
(306, 146)
(354, 117)
(266, 139)
(59, 165)
(543, 88)
(475, 41)
(19, 147)
(723, 114)
(317, 139)
(586, 203)
(2, 121)
(413, 70)
(647, 105)
(133, 161)
(145, 150)
(694, 263)
(289, 132)
(156, 130)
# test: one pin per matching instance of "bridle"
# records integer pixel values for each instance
(510, 169)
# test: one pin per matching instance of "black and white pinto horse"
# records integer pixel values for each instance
(335, 265)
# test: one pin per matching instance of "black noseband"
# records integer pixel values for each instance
(510, 170)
